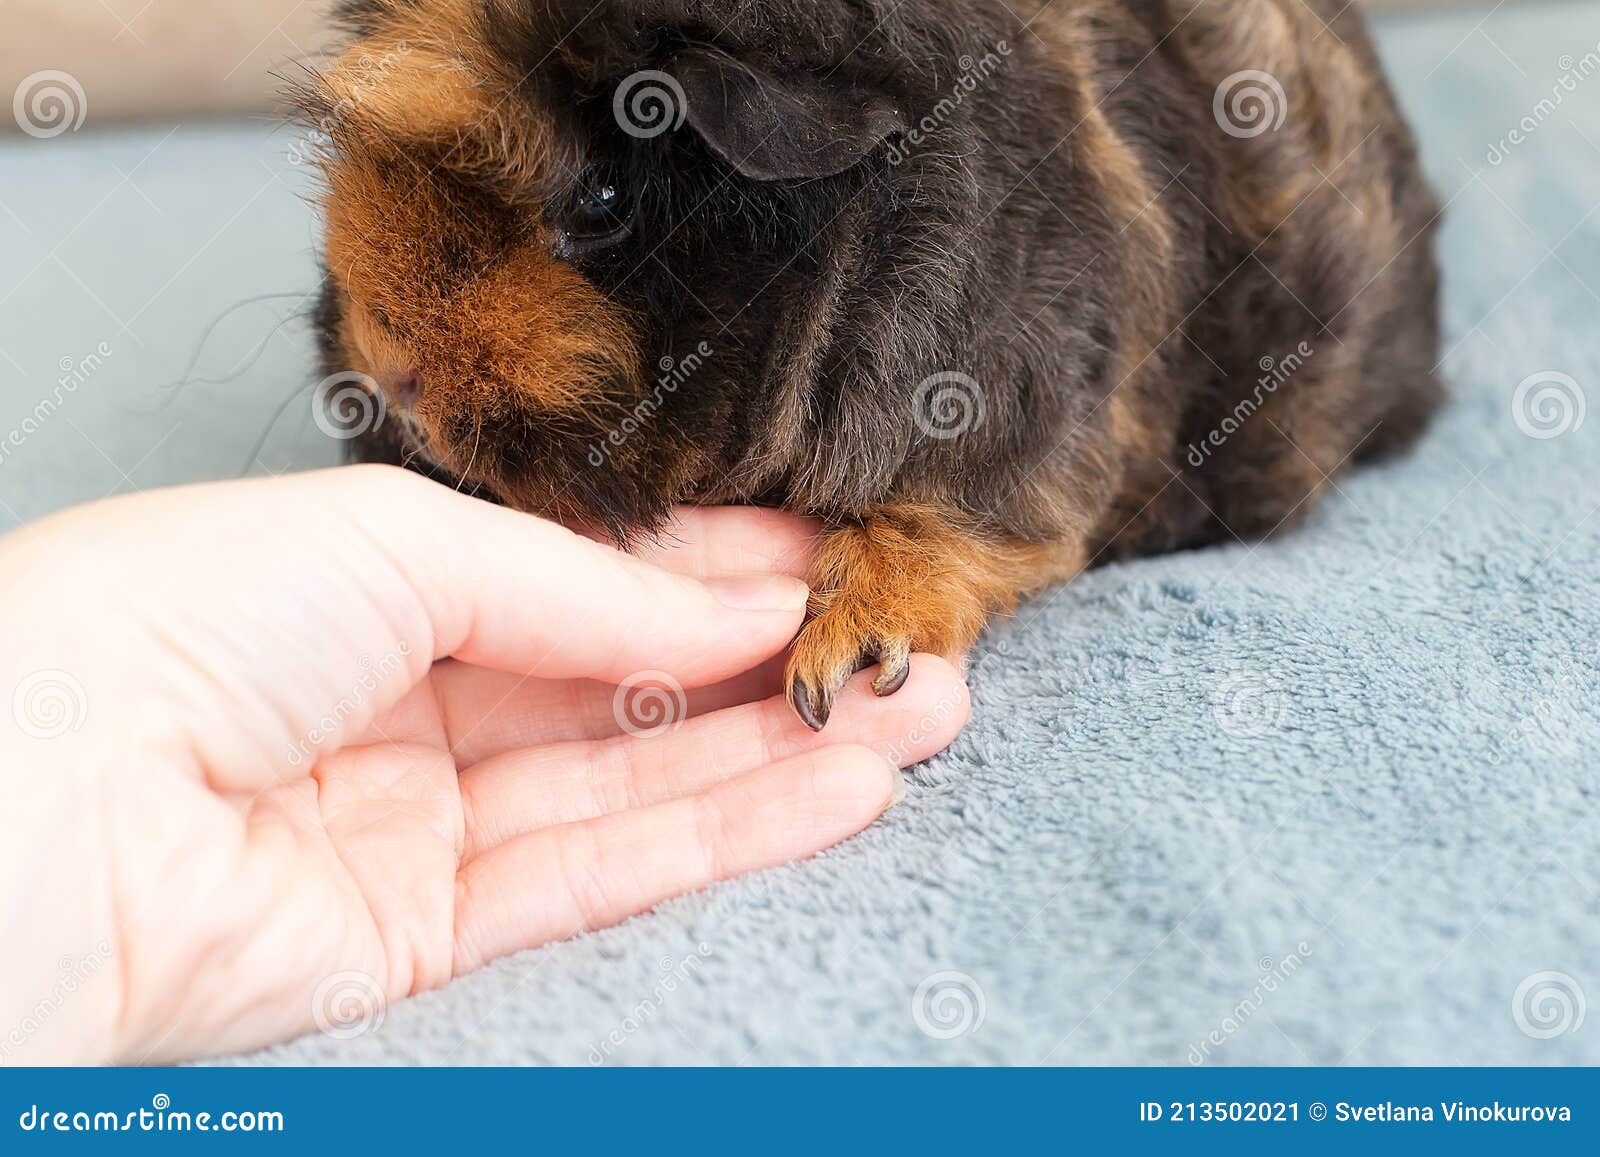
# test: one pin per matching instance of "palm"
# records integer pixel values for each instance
(406, 857)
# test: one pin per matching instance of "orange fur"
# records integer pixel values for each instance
(911, 577)
(422, 81)
(441, 276)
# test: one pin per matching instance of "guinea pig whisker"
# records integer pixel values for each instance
(277, 416)
(418, 447)
(248, 360)
(477, 438)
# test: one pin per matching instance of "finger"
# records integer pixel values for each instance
(712, 540)
(522, 791)
(501, 589)
(560, 881)
(488, 712)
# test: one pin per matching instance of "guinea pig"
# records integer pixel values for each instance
(996, 289)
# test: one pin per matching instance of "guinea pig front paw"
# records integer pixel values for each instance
(831, 648)
(904, 579)
(908, 577)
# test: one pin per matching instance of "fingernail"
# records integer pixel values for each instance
(759, 592)
(899, 793)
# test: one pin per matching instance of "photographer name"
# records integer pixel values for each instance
(1455, 1112)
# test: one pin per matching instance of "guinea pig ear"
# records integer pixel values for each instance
(773, 128)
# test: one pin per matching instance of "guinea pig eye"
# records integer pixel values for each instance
(600, 213)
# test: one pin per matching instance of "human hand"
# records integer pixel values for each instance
(269, 734)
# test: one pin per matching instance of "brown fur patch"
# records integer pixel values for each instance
(1132, 195)
(486, 315)
(441, 277)
(1129, 428)
(372, 350)
(529, 332)
(423, 85)
(1117, 456)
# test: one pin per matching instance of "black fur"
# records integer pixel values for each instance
(879, 222)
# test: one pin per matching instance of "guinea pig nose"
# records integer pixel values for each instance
(404, 388)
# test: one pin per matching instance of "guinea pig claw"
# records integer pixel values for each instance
(813, 712)
(893, 668)
(812, 699)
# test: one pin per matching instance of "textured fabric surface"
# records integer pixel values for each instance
(1330, 799)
